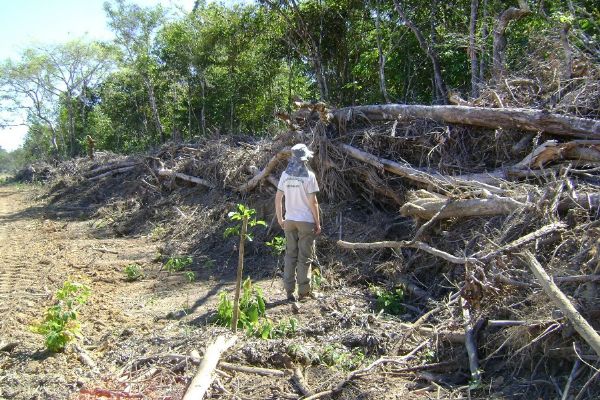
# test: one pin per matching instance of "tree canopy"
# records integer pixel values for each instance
(227, 70)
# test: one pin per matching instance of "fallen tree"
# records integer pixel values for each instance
(506, 118)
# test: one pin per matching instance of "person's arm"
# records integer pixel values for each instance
(279, 207)
(313, 203)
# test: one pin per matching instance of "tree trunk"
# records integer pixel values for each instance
(484, 35)
(154, 108)
(564, 36)
(510, 14)
(473, 50)
(506, 118)
(381, 56)
(429, 50)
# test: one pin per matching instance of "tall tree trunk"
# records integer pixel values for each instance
(154, 108)
(508, 15)
(472, 50)
(382, 60)
(484, 38)
(429, 50)
(564, 36)
(202, 109)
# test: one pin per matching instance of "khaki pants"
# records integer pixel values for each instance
(299, 251)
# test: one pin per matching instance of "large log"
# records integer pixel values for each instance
(582, 327)
(203, 377)
(507, 118)
(189, 178)
(252, 183)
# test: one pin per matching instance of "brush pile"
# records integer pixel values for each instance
(487, 219)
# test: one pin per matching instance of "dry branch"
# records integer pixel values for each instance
(199, 181)
(252, 183)
(470, 344)
(110, 166)
(298, 379)
(507, 118)
(111, 172)
(579, 323)
(251, 370)
(399, 244)
(420, 176)
(426, 208)
(203, 377)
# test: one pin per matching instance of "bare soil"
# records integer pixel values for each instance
(131, 329)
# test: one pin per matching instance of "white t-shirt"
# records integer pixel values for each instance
(296, 190)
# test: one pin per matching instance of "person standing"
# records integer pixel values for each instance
(297, 189)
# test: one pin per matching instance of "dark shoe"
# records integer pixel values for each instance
(292, 297)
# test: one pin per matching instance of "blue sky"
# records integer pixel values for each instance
(26, 22)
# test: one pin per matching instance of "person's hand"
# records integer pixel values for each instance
(317, 229)
(282, 223)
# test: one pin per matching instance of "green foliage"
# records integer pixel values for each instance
(190, 275)
(133, 272)
(316, 278)
(176, 264)
(390, 301)
(339, 357)
(242, 213)
(60, 325)
(277, 245)
(252, 315)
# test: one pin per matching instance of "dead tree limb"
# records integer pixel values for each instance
(418, 175)
(252, 183)
(111, 172)
(251, 370)
(579, 323)
(110, 166)
(522, 241)
(507, 118)
(300, 381)
(470, 344)
(196, 180)
(426, 208)
(399, 244)
(203, 377)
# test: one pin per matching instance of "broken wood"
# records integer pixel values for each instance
(199, 181)
(111, 172)
(506, 118)
(203, 377)
(419, 175)
(110, 166)
(427, 207)
(399, 244)
(470, 344)
(300, 381)
(252, 183)
(251, 370)
(579, 323)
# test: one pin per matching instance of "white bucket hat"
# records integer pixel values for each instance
(301, 152)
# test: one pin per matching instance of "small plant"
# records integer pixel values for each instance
(277, 245)
(388, 301)
(316, 279)
(252, 307)
(158, 232)
(176, 264)
(339, 357)
(190, 275)
(60, 326)
(242, 213)
(133, 272)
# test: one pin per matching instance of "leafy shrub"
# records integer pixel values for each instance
(339, 357)
(252, 306)
(60, 326)
(388, 301)
(277, 245)
(242, 213)
(133, 272)
(176, 264)
(190, 275)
